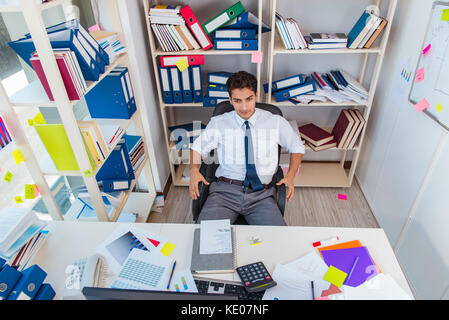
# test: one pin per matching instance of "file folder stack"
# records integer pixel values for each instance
(5, 138)
(113, 96)
(216, 91)
(110, 43)
(91, 57)
(181, 87)
(290, 87)
(136, 150)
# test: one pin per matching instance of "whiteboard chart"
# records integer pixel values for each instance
(433, 67)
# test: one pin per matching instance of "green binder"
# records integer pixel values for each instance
(223, 18)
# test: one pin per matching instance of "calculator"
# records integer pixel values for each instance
(255, 277)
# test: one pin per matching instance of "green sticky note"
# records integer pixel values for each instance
(8, 177)
(335, 276)
(445, 16)
(30, 191)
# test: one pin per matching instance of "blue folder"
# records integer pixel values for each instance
(212, 101)
(290, 92)
(132, 142)
(248, 34)
(9, 276)
(129, 88)
(246, 21)
(187, 95)
(197, 86)
(218, 77)
(2, 263)
(24, 47)
(176, 84)
(167, 92)
(285, 83)
(45, 292)
(235, 44)
(110, 99)
(217, 91)
(28, 285)
(117, 166)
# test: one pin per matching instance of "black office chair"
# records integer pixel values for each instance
(208, 170)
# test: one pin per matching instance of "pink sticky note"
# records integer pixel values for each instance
(94, 28)
(420, 75)
(422, 105)
(36, 192)
(322, 298)
(256, 57)
(342, 197)
(426, 50)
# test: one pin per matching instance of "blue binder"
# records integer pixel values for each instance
(176, 84)
(117, 166)
(235, 44)
(285, 82)
(2, 263)
(110, 99)
(286, 94)
(187, 96)
(24, 47)
(246, 20)
(217, 91)
(45, 292)
(28, 285)
(212, 101)
(197, 87)
(129, 88)
(218, 77)
(167, 93)
(248, 34)
(9, 276)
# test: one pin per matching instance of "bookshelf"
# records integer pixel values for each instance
(33, 95)
(156, 52)
(326, 173)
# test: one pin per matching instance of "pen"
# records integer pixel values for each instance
(171, 275)
(352, 269)
(323, 242)
(313, 291)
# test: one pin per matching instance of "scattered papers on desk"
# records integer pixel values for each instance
(183, 282)
(215, 236)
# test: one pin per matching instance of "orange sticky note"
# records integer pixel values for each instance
(17, 156)
(422, 105)
(257, 57)
(420, 75)
(182, 64)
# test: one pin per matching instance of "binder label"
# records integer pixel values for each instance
(216, 79)
(229, 44)
(221, 19)
(88, 48)
(164, 77)
(185, 79)
(130, 87)
(125, 92)
(175, 80)
(200, 34)
(196, 79)
(288, 82)
(227, 34)
(120, 185)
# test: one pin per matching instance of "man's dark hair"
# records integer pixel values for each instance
(241, 80)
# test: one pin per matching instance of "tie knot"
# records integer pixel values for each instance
(247, 124)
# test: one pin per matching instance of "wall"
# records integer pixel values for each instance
(403, 166)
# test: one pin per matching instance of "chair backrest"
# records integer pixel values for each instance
(226, 106)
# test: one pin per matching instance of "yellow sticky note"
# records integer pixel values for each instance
(88, 173)
(31, 122)
(8, 177)
(39, 119)
(167, 249)
(445, 16)
(18, 199)
(182, 64)
(30, 191)
(439, 107)
(17, 156)
(335, 276)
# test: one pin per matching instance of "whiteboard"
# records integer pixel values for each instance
(435, 86)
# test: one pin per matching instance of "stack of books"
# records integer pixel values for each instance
(326, 41)
(93, 138)
(347, 128)
(317, 138)
(366, 30)
(21, 235)
(5, 138)
(216, 91)
(110, 43)
(290, 87)
(290, 33)
(135, 149)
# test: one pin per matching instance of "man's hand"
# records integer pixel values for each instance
(195, 178)
(288, 181)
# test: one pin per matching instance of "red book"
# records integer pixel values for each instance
(342, 128)
(315, 134)
(65, 74)
(327, 145)
(195, 27)
(362, 121)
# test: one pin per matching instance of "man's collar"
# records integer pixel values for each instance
(252, 120)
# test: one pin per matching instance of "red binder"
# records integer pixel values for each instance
(195, 27)
(192, 60)
(65, 74)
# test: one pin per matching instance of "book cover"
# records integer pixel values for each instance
(357, 30)
(315, 134)
(358, 114)
(328, 37)
(324, 45)
(375, 34)
(327, 145)
(353, 128)
(341, 128)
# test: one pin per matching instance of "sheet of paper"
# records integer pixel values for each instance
(311, 264)
(287, 287)
(215, 236)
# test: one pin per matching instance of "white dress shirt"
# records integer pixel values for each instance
(226, 133)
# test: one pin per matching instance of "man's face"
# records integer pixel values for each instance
(244, 102)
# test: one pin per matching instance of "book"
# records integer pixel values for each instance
(327, 145)
(212, 263)
(375, 34)
(324, 45)
(353, 128)
(329, 37)
(342, 128)
(360, 29)
(376, 23)
(315, 134)
(359, 128)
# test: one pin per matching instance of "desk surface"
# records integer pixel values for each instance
(69, 241)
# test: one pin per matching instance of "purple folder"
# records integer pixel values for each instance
(344, 259)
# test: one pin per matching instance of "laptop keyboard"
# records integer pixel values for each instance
(225, 287)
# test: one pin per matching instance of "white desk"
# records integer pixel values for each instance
(69, 241)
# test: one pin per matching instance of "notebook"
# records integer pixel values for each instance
(212, 263)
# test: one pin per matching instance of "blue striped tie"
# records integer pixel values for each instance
(251, 177)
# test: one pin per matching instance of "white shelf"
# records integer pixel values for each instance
(317, 104)
(321, 174)
(159, 52)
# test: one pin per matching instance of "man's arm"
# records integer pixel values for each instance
(195, 176)
(295, 161)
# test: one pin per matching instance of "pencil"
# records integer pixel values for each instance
(352, 269)
(313, 291)
(171, 275)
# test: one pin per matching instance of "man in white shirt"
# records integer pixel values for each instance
(247, 142)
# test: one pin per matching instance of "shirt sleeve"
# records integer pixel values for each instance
(288, 138)
(208, 140)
